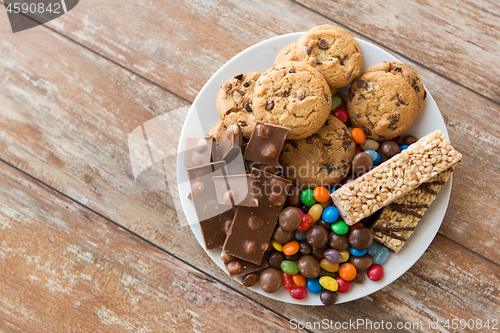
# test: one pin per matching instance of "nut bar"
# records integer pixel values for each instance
(397, 221)
(392, 179)
(237, 267)
(265, 143)
(253, 227)
(198, 151)
(241, 190)
(215, 219)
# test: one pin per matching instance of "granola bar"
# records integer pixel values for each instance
(392, 179)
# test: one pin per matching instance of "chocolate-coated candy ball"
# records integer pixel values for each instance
(390, 148)
(359, 278)
(361, 263)
(275, 258)
(270, 280)
(322, 223)
(338, 242)
(362, 163)
(304, 247)
(319, 253)
(250, 279)
(361, 238)
(293, 257)
(289, 219)
(317, 236)
(293, 198)
(409, 139)
(328, 297)
(309, 266)
(282, 236)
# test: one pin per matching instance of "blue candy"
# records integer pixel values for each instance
(381, 256)
(375, 155)
(403, 147)
(314, 286)
(356, 252)
(330, 214)
(300, 235)
(373, 249)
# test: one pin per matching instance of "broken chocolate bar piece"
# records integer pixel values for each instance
(392, 179)
(253, 227)
(236, 190)
(399, 219)
(237, 267)
(215, 219)
(228, 144)
(198, 151)
(265, 143)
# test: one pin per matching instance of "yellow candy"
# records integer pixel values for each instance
(328, 266)
(315, 212)
(278, 246)
(345, 255)
(328, 283)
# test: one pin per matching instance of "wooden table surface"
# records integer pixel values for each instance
(84, 249)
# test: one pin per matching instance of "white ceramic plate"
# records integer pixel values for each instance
(260, 57)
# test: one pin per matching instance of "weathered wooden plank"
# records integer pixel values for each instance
(65, 269)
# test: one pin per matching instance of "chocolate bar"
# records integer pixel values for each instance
(392, 179)
(265, 143)
(237, 267)
(228, 144)
(236, 190)
(215, 219)
(253, 227)
(198, 151)
(399, 219)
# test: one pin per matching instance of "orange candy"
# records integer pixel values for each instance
(358, 135)
(347, 272)
(291, 248)
(321, 194)
(300, 280)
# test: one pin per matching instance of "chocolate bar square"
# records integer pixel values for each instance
(236, 190)
(265, 143)
(197, 151)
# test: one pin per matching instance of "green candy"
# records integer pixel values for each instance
(336, 101)
(340, 227)
(307, 198)
(289, 267)
(324, 272)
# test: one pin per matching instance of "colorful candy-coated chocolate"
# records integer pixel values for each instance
(358, 135)
(333, 256)
(315, 211)
(332, 189)
(289, 267)
(375, 155)
(314, 286)
(381, 256)
(286, 280)
(344, 286)
(324, 272)
(300, 235)
(373, 248)
(403, 147)
(321, 194)
(347, 271)
(345, 255)
(370, 145)
(291, 248)
(375, 273)
(336, 101)
(307, 197)
(277, 246)
(328, 266)
(328, 283)
(300, 280)
(340, 227)
(341, 115)
(306, 221)
(300, 211)
(330, 214)
(355, 252)
(298, 292)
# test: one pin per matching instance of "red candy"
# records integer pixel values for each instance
(375, 272)
(306, 221)
(298, 292)
(344, 286)
(341, 115)
(286, 280)
(358, 149)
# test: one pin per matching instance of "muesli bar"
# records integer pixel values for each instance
(397, 176)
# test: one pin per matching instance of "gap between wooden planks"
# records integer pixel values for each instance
(125, 100)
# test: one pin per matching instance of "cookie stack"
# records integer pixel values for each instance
(300, 92)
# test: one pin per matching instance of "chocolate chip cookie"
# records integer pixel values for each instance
(323, 158)
(295, 95)
(234, 102)
(403, 70)
(286, 54)
(333, 52)
(383, 105)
